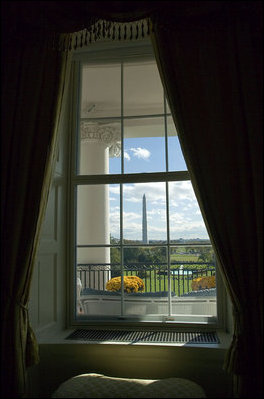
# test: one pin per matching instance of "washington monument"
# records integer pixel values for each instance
(144, 221)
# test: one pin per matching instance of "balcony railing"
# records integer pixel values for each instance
(155, 277)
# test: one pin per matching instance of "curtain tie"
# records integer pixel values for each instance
(21, 305)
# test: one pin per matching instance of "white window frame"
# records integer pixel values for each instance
(114, 51)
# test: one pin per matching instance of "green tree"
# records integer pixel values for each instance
(206, 255)
(115, 260)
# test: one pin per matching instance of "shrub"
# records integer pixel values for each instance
(131, 284)
(201, 283)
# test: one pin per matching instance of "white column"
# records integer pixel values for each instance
(93, 201)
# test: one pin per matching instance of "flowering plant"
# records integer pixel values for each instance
(131, 284)
(203, 282)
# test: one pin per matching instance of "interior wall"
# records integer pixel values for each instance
(47, 298)
(47, 304)
(63, 361)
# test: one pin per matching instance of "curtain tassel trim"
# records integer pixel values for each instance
(103, 30)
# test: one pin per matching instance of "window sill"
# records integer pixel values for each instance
(59, 338)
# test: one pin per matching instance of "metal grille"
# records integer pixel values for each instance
(145, 336)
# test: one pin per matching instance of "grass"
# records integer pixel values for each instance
(184, 258)
(155, 282)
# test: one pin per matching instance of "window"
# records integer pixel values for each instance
(140, 251)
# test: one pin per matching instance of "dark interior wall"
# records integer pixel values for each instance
(63, 361)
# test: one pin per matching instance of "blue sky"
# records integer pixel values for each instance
(148, 155)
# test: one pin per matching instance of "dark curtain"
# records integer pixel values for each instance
(33, 83)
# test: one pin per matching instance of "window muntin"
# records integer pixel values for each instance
(113, 250)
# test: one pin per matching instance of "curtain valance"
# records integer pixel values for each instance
(103, 30)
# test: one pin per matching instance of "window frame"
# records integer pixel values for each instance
(99, 52)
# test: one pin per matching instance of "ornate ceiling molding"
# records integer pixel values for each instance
(108, 134)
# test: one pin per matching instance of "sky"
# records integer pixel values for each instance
(147, 155)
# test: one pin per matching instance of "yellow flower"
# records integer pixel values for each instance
(131, 284)
(203, 282)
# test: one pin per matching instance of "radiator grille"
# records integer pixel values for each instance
(145, 336)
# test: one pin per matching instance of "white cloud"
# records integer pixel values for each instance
(128, 216)
(181, 191)
(141, 153)
(188, 227)
(155, 193)
(114, 189)
(157, 214)
(127, 156)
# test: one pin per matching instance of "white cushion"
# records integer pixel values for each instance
(100, 386)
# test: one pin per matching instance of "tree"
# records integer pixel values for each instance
(206, 255)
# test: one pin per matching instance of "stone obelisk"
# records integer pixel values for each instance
(144, 222)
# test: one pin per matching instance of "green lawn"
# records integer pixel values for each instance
(184, 258)
(154, 281)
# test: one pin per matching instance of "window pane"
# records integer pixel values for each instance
(100, 90)
(193, 279)
(146, 281)
(96, 296)
(144, 212)
(143, 92)
(186, 222)
(175, 156)
(98, 214)
(144, 145)
(99, 146)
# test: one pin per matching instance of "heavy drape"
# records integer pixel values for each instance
(212, 72)
(33, 83)
(210, 67)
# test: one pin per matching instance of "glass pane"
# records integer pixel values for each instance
(98, 214)
(145, 281)
(143, 91)
(186, 222)
(175, 156)
(144, 145)
(99, 147)
(100, 90)
(193, 275)
(144, 213)
(94, 282)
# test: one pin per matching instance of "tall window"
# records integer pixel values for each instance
(140, 249)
